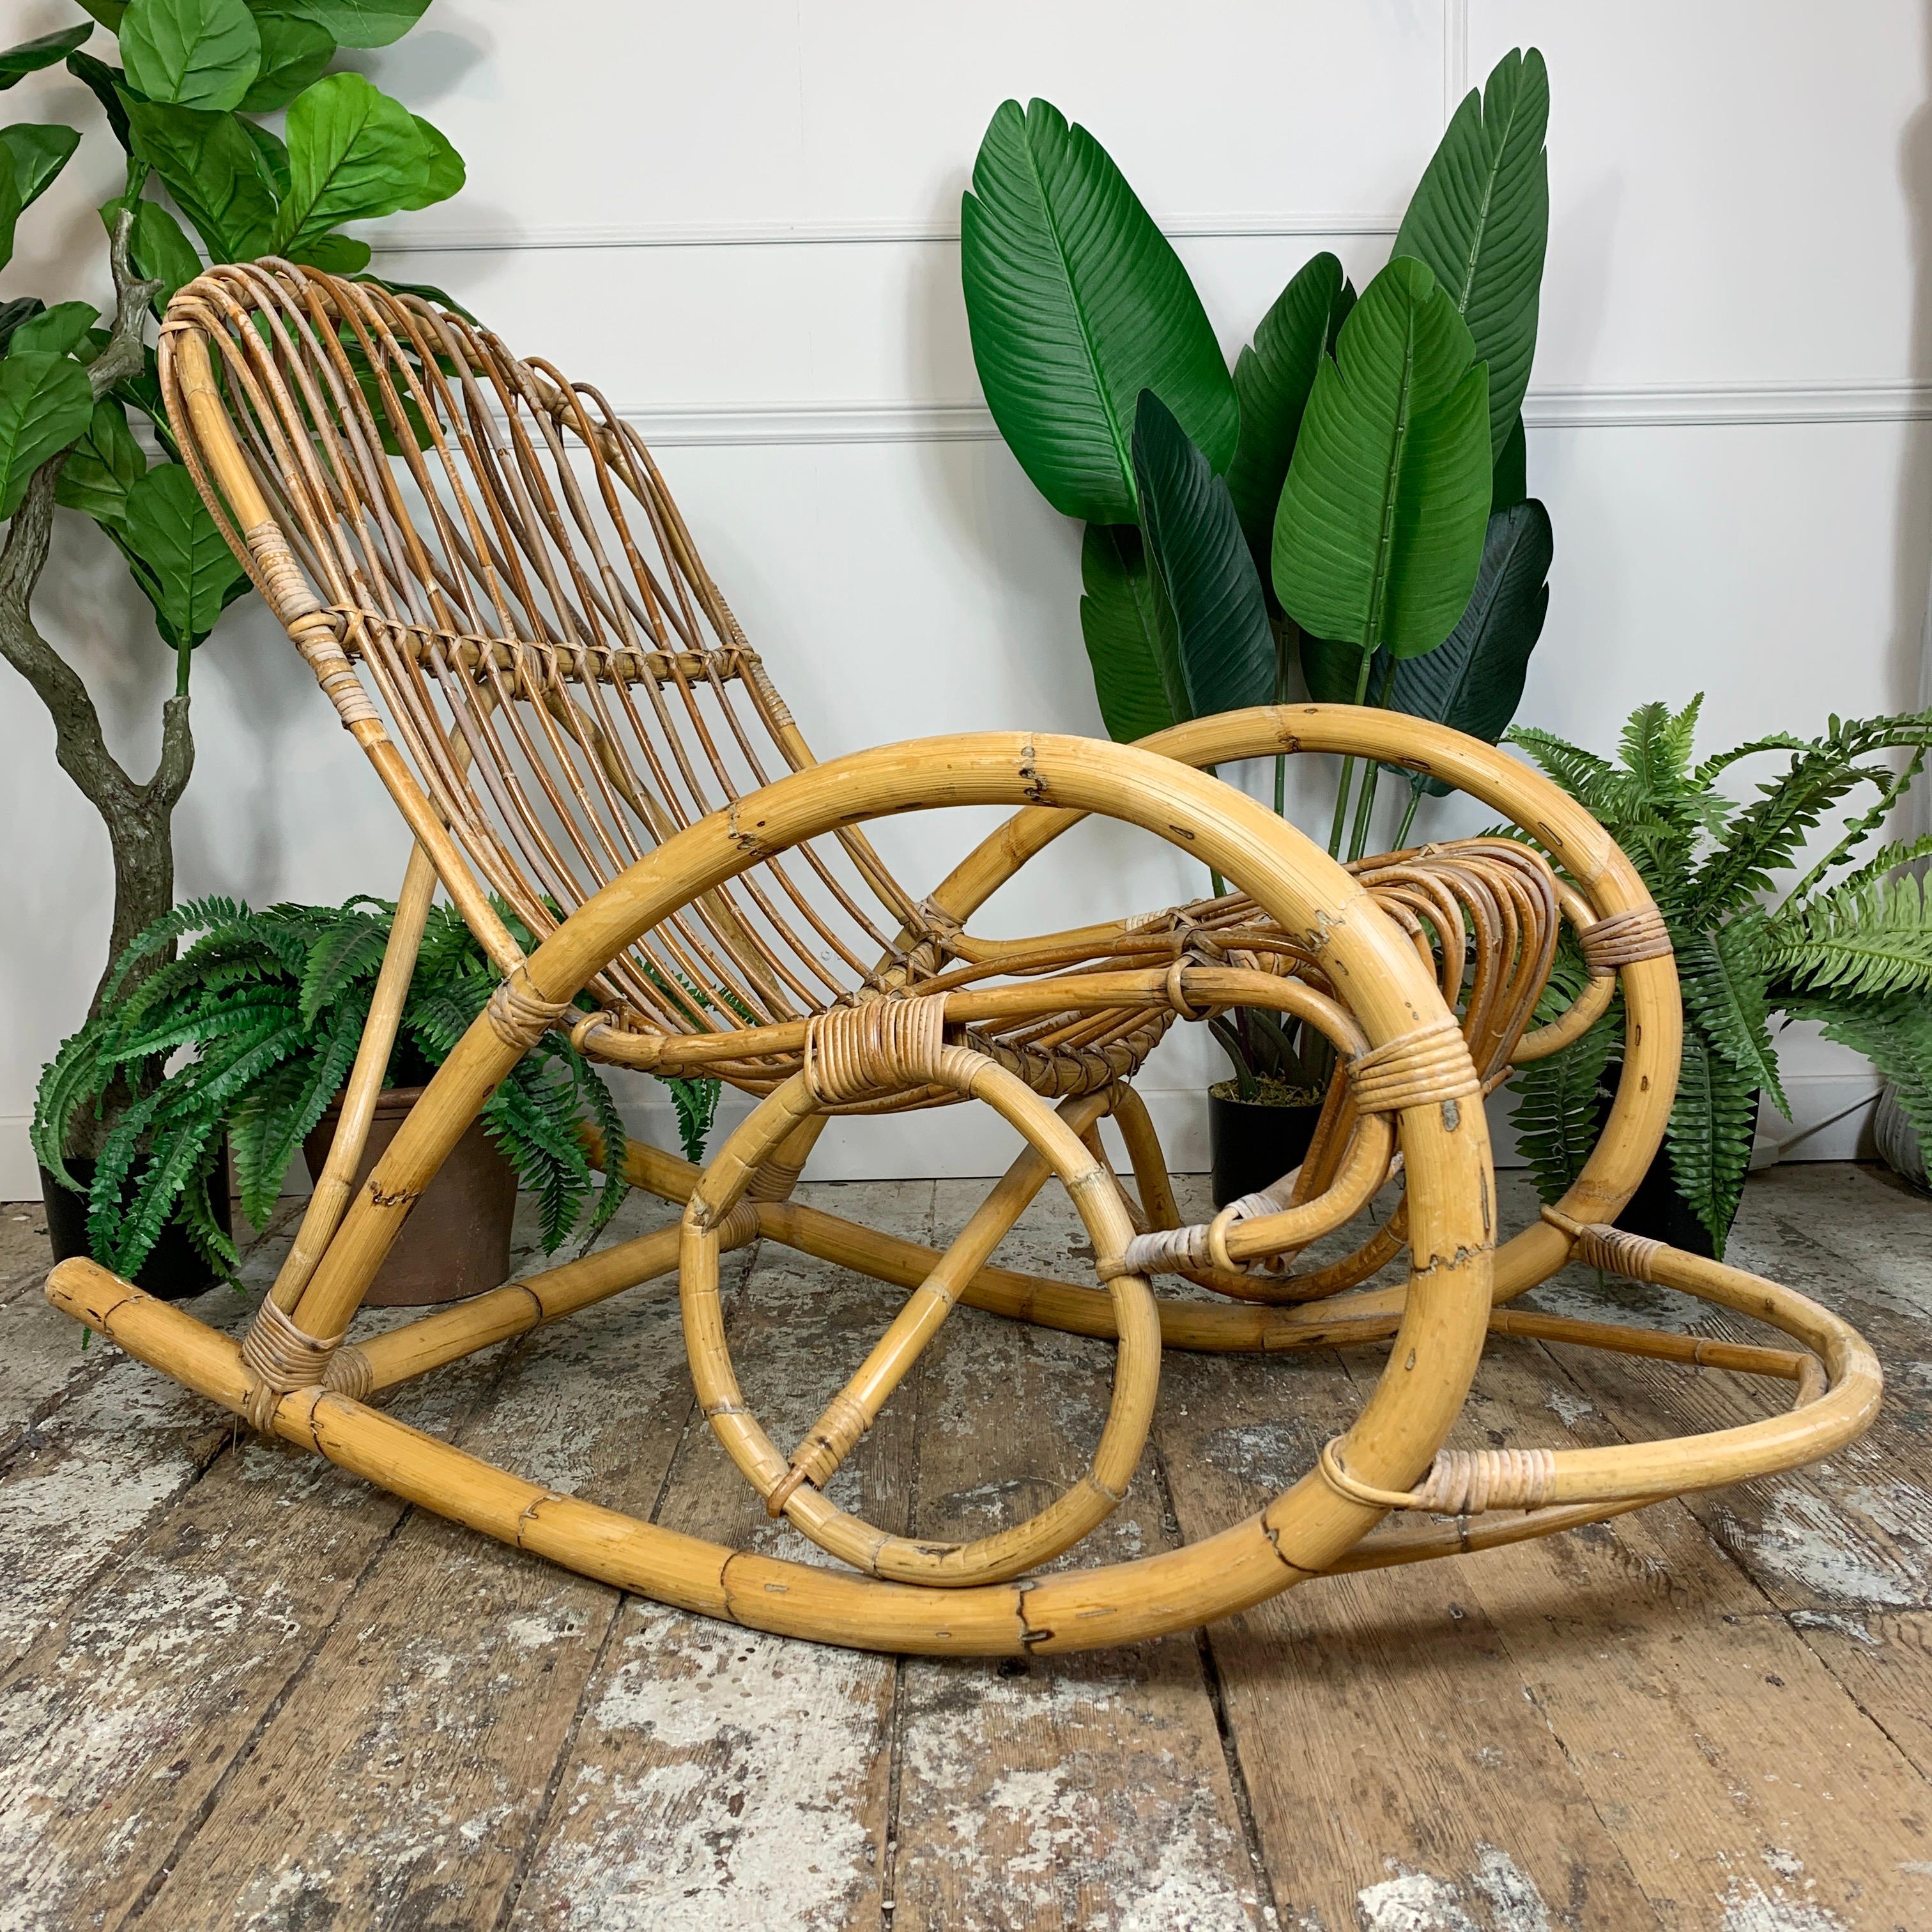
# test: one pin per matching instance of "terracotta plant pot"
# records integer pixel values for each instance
(174, 1270)
(456, 1240)
(1253, 1143)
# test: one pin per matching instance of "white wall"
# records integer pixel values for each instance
(739, 219)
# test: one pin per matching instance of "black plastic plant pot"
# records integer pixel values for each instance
(173, 1271)
(1657, 1211)
(1253, 1143)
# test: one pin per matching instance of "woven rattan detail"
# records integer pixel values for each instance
(279, 1357)
(1616, 1251)
(520, 1017)
(349, 1373)
(1624, 938)
(883, 1046)
(1423, 1069)
(1460, 1482)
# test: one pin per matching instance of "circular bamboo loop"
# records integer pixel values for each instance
(879, 1045)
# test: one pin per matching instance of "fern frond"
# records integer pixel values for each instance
(1723, 975)
(696, 1101)
(1583, 774)
(1894, 1034)
(1557, 1114)
(1866, 938)
(1709, 1133)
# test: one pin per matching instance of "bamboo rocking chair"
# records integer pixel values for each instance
(482, 566)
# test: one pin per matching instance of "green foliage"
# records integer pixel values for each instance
(181, 562)
(1273, 375)
(251, 1031)
(1077, 302)
(1851, 948)
(1364, 444)
(1558, 1108)
(36, 152)
(45, 401)
(1480, 218)
(194, 53)
(48, 50)
(294, 52)
(1194, 539)
(1378, 534)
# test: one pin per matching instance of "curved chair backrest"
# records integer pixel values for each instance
(496, 550)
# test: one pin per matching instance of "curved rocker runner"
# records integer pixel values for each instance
(510, 616)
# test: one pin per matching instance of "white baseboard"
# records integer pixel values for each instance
(1832, 1121)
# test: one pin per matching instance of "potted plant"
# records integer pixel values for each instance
(254, 1026)
(1353, 491)
(206, 177)
(1848, 943)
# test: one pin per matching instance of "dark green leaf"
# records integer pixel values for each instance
(442, 173)
(48, 50)
(38, 152)
(362, 23)
(1128, 632)
(161, 251)
(1557, 1114)
(10, 213)
(45, 402)
(109, 13)
(353, 154)
(106, 84)
(1379, 532)
(294, 52)
(1077, 302)
(1273, 375)
(14, 313)
(191, 53)
(105, 464)
(1480, 219)
(1474, 681)
(1722, 971)
(57, 331)
(1194, 538)
(168, 529)
(208, 162)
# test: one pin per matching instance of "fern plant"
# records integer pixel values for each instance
(1848, 945)
(250, 1032)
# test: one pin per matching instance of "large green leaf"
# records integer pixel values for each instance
(1379, 532)
(294, 52)
(196, 576)
(58, 331)
(353, 154)
(208, 164)
(45, 401)
(1480, 218)
(1512, 477)
(1195, 541)
(362, 23)
(38, 153)
(1130, 635)
(106, 463)
(193, 53)
(1273, 375)
(161, 252)
(1077, 302)
(48, 50)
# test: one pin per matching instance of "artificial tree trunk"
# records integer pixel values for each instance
(138, 816)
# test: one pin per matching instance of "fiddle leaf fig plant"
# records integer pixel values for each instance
(204, 179)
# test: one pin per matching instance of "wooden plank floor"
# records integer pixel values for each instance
(239, 1689)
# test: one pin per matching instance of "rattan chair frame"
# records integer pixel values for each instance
(583, 744)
